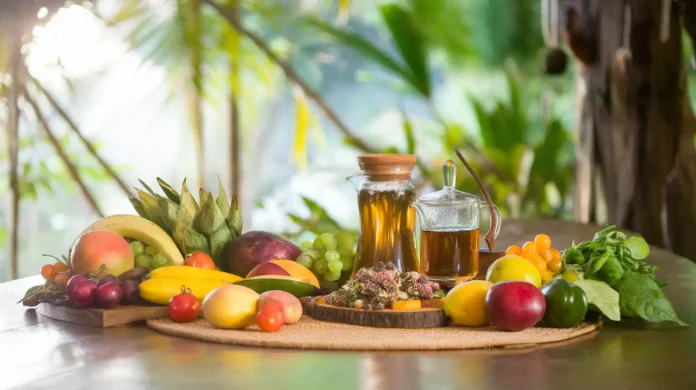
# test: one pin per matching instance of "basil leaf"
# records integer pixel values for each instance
(638, 248)
(641, 296)
(604, 298)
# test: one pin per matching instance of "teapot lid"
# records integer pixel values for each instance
(449, 194)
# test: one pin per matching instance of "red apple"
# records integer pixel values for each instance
(268, 269)
(292, 308)
(98, 247)
(514, 305)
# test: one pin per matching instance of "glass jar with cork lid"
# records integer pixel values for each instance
(387, 219)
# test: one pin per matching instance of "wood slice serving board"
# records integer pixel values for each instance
(102, 318)
(312, 334)
(427, 317)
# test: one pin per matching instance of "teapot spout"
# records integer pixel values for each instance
(422, 215)
(356, 180)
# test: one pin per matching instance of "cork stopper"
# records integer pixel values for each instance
(387, 167)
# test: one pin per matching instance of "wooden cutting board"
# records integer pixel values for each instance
(427, 317)
(102, 318)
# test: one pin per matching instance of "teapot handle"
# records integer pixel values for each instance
(483, 204)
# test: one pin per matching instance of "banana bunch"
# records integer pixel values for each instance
(207, 227)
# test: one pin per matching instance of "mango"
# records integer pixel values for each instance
(231, 307)
(98, 247)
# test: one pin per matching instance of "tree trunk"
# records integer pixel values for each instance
(16, 68)
(641, 125)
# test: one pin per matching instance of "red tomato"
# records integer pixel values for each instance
(200, 260)
(184, 307)
(270, 318)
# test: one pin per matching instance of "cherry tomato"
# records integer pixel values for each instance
(270, 318)
(48, 271)
(60, 266)
(513, 250)
(555, 261)
(529, 246)
(546, 275)
(543, 243)
(184, 307)
(200, 260)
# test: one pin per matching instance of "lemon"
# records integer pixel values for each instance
(513, 267)
(465, 304)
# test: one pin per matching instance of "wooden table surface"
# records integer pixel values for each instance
(37, 352)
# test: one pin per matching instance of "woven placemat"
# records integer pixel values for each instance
(312, 334)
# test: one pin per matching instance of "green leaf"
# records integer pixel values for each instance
(188, 204)
(138, 206)
(410, 42)
(604, 298)
(151, 208)
(147, 187)
(169, 191)
(234, 218)
(638, 248)
(640, 296)
(209, 217)
(366, 48)
(188, 240)
(169, 211)
(221, 199)
(408, 133)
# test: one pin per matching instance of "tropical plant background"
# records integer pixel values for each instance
(277, 99)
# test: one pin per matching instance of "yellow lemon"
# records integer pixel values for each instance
(465, 304)
(513, 267)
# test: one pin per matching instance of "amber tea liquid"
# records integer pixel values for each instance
(387, 226)
(450, 256)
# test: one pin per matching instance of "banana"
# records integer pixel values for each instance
(191, 273)
(160, 291)
(138, 228)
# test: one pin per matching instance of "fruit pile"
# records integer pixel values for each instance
(237, 307)
(511, 299)
(547, 260)
(329, 255)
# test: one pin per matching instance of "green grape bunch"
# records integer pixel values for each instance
(329, 255)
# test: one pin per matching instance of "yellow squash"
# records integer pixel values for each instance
(161, 290)
(186, 272)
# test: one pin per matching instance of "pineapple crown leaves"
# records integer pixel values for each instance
(207, 227)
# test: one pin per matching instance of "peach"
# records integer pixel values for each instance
(267, 268)
(292, 308)
(98, 247)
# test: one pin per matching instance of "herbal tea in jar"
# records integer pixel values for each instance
(387, 219)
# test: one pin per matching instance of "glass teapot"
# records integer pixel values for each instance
(449, 224)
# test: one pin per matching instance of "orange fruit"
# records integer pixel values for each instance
(60, 266)
(543, 242)
(62, 278)
(48, 271)
(513, 250)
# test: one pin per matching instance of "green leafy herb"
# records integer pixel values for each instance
(640, 296)
(601, 297)
(637, 247)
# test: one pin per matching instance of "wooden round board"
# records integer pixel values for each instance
(421, 318)
(312, 334)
